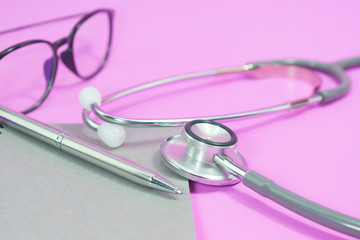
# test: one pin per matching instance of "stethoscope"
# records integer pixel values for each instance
(206, 152)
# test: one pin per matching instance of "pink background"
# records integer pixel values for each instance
(313, 153)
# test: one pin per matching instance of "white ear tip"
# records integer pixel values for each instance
(88, 96)
(111, 134)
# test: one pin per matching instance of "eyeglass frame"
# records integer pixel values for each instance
(67, 56)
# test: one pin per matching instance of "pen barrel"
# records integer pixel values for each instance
(106, 160)
(30, 126)
(74, 146)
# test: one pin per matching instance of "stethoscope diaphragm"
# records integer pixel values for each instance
(191, 154)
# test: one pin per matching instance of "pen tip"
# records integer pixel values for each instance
(178, 191)
(160, 183)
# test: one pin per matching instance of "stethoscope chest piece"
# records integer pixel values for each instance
(191, 154)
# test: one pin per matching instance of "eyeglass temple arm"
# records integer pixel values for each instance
(41, 23)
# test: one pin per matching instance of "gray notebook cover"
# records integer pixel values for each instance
(48, 194)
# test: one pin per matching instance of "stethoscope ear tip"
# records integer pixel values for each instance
(111, 134)
(89, 96)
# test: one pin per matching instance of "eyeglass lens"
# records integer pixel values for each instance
(91, 43)
(25, 74)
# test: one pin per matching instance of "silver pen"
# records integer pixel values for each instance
(88, 152)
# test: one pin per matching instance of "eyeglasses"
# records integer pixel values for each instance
(28, 69)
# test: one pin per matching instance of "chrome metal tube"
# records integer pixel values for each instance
(90, 153)
(252, 70)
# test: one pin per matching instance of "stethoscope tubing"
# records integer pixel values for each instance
(300, 205)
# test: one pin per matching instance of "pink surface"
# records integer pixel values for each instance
(314, 153)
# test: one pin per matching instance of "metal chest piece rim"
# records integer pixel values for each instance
(191, 153)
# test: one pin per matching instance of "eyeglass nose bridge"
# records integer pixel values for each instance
(68, 59)
(66, 56)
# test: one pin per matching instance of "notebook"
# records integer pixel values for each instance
(49, 194)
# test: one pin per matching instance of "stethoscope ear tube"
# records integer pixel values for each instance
(302, 206)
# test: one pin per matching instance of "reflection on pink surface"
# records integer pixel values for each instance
(292, 72)
(313, 153)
